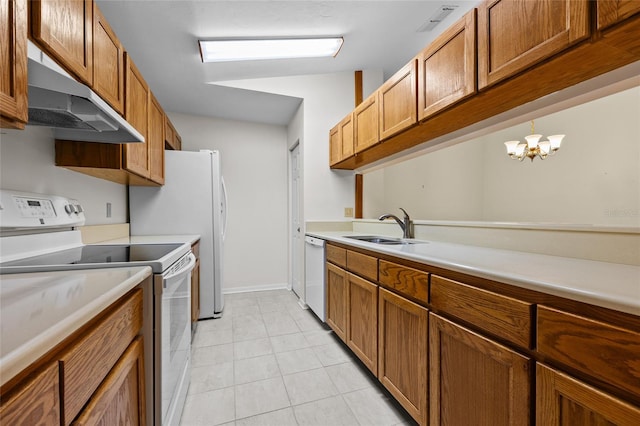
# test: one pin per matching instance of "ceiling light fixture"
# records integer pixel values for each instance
(259, 49)
(534, 147)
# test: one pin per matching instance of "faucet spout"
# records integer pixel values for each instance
(406, 224)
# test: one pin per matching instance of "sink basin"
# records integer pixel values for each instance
(381, 240)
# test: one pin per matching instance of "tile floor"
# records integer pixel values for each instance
(267, 361)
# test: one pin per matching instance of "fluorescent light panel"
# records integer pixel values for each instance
(258, 49)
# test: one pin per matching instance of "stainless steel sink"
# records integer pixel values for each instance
(382, 240)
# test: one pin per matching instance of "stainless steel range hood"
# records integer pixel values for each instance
(75, 111)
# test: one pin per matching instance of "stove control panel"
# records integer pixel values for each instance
(25, 210)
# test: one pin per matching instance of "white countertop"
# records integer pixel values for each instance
(39, 310)
(153, 239)
(610, 285)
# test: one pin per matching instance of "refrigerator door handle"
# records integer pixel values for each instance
(224, 208)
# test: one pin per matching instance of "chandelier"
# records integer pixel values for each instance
(534, 147)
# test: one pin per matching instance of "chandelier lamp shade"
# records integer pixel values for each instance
(533, 147)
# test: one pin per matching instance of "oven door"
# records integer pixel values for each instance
(175, 337)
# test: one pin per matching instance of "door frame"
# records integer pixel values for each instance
(292, 248)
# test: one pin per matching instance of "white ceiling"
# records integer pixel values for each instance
(162, 38)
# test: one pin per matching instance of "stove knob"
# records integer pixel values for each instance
(68, 208)
(79, 208)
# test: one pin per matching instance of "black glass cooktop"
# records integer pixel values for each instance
(99, 254)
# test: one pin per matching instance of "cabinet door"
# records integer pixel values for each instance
(447, 67)
(335, 145)
(346, 137)
(397, 102)
(613, 11)
(155, 141)
(365, 123)
(564, 401)
(120, 399)
(513, 35)
(65, 29)
(13, 62)
(169, 134)
(136, 155)
(362, 320)
(337, 300)
(402, 354)
(37, 402)
(108, 55)
(474, 377)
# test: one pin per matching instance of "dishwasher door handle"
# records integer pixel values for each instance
(312, 241)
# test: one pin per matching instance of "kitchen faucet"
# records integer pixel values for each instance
(406, 224)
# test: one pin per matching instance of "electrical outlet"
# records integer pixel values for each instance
(348, 212)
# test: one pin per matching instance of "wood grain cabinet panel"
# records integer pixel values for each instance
(362, 320)
(341, 140)
(120, 399)
(365, 124)
(108, 54)
(36, 402)
(407, 281)
(13, 63)
(85, 365)
(447, 67)
(136, 158)
(335, 146)
(502, 316)
(397, 102)
(611, 12)
(336, 255)
(336, 283)
(514, 35)
(603, 351)
(155, 141)
(475, 378)
(361, 264)
(64, 28)
(564, 401)
(402, 352)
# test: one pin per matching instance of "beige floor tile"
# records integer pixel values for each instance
(223, 323)
(254, 369)
(208, 378)
(297, 361)
(330, 411)
(260, 397)
(348, 377)
(309, 386)
(247, 320)
(319, 337)
(332, 353)
(212, 338)
(289, 342)
(252, 348)
(209, 355)
(282, 417)
(249, 333)
(209, 408)
(372, 407)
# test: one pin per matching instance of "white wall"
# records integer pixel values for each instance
(27, 163)
(593, 179)
(254, 165)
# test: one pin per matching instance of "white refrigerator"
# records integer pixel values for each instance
(192, 201)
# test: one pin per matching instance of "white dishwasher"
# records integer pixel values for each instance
(314, 275)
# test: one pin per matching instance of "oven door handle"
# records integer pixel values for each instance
(185, 270)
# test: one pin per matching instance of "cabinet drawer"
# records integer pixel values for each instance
(85, 364)
(598, 349)
(363, 265)
(337, 255)
(499, 315)
(407, 281)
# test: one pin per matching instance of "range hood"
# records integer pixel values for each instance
(75, 111)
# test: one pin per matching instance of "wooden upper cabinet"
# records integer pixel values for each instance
(564, 401)
(402, 352)
(397, 101)
(155, 140)
(514, 35)
(341, 140)
(336, 284)
(473, 377)
(365, 123)
(108, 54)
(611, 12)
(362, 320)
(447, 67)
(136, 157)
(64, 28)
(13, 63)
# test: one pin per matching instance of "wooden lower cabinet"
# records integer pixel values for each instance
(402, 352)
(473, 377)
(120, 399)
(362, 320)
(337, 300)
(564, 401)
(35, 402)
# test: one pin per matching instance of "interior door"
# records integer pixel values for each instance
(297, 246)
